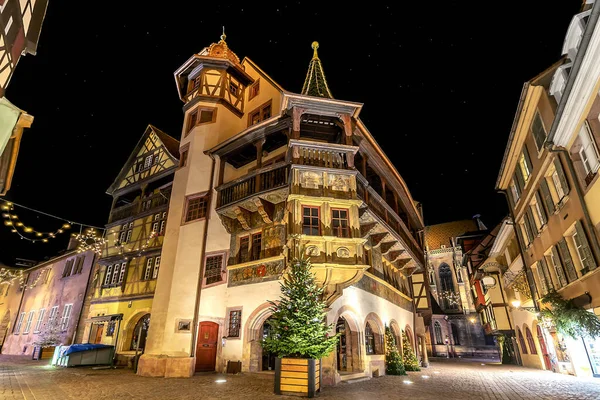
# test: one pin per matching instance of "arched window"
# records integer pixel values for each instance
(437, 330)
(140, 332)
(455, 335)
(530, 341)
(446, 278)
(521, 341)
(369, 339)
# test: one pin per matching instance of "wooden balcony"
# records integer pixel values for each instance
(257, 182)
(141, 206)
(322, 155)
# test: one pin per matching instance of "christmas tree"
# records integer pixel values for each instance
(393, 360)
(51, 336)
(410, 361)
(298, 327)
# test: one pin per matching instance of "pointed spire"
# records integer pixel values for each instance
(315, 83)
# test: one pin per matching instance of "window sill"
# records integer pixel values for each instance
(111, 286)
(233, 338)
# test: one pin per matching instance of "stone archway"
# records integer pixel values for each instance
(127, 333)
(353, 351)
(397, 332)
(411, 338)
(253, 351)
(378, 330)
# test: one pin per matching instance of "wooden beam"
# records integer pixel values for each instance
(243, 216)
(265, 209)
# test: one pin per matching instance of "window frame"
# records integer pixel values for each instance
(538, 116)
(260, 111)
(19, 324)
(530, 341)
(239, 252)
(27, 328)
(197, 112)
(253, 255)
(369, 340)
(183, 156)
(228, 322)
(347, 219)
(255, 85)
(318, 208)
(223, 254)
(191, 197)
(66, 317)
(40, 319)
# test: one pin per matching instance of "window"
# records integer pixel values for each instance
(310, 221)
(110, 328)
(201, 115)
(567, 261)
(254, 90)
(235, 322)
(588, 152)
(558, 269)
(159, 223)
(213, 270)
(530, 341)
(40, 319)
(68, 268)
(256, 246)
(108, 275)
(437, 329)
(53, 315)
(128, 237)
(66, 315)
(148, 161)
(369, 339)
(525, 164)
(29, 320)
(148, 269)
(521, 341)
(156, 267)
(560, 181)
(339, 223)
(183, 158)
(196, 208)
(586, 258)
(78, 265)
(540, 214)
(122, 273)
(514, 190)
(243, 253)
(260, 114)
(546, 197)
(539, 133)
(19, 323)
(233, 88)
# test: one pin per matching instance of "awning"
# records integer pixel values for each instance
(105, 318)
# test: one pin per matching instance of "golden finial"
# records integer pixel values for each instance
(315, 46)
(223, 36)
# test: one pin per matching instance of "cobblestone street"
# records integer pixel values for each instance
(25, 379)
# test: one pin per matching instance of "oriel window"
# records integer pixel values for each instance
(339, 223)
(310, 221)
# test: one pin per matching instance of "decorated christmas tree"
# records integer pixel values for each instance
(50, 336)
(393, 360)
(408, 356)
(298, 327)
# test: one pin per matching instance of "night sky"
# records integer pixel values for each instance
(440, 82)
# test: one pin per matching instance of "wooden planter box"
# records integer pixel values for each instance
(297, 376)
(43, 353)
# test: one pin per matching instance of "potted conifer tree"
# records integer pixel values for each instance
(393, 360)
(299, 334)
(408, 355)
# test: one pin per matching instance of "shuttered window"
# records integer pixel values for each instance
(558, 268)
(541, 280)
(539, 209)
(560, 180)
(567, 261)
(539, 133)
(583, 248)
(546, 197)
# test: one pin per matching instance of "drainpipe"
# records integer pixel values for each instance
(202, 262)
(580, 196)
(521, 251)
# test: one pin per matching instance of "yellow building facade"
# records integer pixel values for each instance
(120, 296)
(268, 173)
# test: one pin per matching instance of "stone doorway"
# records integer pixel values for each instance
(348, 356)
(139, 333)
(268, 359)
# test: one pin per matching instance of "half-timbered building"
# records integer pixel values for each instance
(120, 296)
(269, 173)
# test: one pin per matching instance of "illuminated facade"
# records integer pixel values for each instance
(120, 296)
(549, 174)
(264, 173)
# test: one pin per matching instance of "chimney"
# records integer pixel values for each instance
(480, 225)
(73, 243)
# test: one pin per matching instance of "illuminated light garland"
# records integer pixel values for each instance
(89, 240)
(451, 297)
(8, 275)
(24, 231)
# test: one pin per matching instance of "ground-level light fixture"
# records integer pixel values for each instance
(221, 380)
(407, 381)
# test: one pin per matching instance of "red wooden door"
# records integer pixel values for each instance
(206, 348)
(543, 348)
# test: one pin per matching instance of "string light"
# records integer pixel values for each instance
(31, 234)
(9, 275)
(90, 240)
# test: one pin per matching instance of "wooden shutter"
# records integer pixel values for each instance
(542, 280)
(511, 200)
(546, 273)
(527, 160)
(567, 261)
(547, 197)
(527, 226)
(589, 262)
(558, 268)
(519, 179)
(532, 226)
(561, 175)
(544, 216)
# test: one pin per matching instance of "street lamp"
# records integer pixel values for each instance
(517, 306)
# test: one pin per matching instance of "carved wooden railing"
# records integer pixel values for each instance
(379, 207)
(258, 181)
(323, 155)
(147, 204)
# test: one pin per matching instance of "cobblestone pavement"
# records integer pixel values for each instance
(25, 379)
